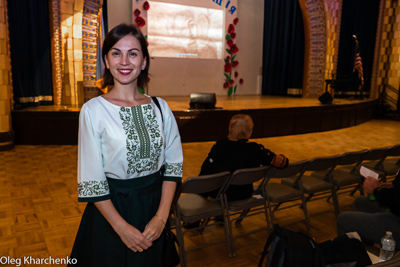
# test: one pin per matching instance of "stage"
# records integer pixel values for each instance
(272, 116)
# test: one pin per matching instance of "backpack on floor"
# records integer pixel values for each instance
(287, 248)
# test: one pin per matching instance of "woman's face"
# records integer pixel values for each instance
(125, 60)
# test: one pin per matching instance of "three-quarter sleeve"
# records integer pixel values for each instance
(92, 182)
(173, 147)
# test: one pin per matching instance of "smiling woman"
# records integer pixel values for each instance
(129, 161)
(125, 61)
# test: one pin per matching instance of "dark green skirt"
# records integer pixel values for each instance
(97, 244)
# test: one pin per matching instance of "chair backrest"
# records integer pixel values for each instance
(376, 154)
(322, 163)
(394, 151)
(292, 169)
(248, 175)
(205, 183)
(353, 157)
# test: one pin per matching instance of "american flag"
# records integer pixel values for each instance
(359, 68)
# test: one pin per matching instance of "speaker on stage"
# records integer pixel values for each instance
(202, 100)
(325, 98)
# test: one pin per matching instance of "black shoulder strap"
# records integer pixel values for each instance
(158, 105)
(270, 239)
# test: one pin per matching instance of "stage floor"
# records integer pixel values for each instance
(236, 102)
(272, 116)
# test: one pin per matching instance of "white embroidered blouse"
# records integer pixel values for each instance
(125, 143)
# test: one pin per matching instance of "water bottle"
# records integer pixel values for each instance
(387, 247)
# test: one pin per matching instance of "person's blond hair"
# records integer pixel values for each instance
(240, 127)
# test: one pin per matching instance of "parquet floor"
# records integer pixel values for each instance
(39, 212)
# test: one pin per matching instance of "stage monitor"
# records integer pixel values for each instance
(202, 100)
(182, 31)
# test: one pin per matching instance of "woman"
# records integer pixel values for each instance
(124, 143)
(236, 152)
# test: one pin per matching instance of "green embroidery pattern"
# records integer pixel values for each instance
(144, 140)
(92, 188)
(173, 169)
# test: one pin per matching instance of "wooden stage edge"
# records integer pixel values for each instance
(272, 116)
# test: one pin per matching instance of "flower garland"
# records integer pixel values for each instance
(140, 21)
(230, 61)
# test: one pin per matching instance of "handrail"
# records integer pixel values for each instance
(391, 88)
(386, 98)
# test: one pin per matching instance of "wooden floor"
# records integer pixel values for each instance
(39, 212)
(235, 102)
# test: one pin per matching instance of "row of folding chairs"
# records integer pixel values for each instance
(327, 177)
(191, 206)
(276, 189)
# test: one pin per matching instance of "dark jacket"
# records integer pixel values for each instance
(227, 155)
(390, 197)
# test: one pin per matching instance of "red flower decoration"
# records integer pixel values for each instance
(226, 85)
(140, 21)
(231, 28)
(229, 42)
(235, 63)
(235, 21)
(236, 74)
(146, 5)
(136, 12)
(241, 81)
(228, 58)
(228, 67)
(231, 81)
(234, 49)
(233, 35)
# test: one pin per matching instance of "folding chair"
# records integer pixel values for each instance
(391, 164)
(373, 160)
(346, 175)
(191, 207)
(239, 209)
(316, 188)
(277, 194)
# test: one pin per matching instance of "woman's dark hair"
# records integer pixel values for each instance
(116, 34)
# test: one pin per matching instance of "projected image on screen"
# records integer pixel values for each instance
(184, 31)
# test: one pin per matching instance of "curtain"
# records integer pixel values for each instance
(360, 19)
(30, 52)
(283, 49)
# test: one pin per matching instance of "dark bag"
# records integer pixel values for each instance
(344, 252)
(170, 254)
(287, 248)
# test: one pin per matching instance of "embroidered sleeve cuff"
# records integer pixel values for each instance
(173, 179)
(173, 169)
(92, 189)
(94, 199)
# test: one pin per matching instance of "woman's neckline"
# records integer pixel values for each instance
(126, 106)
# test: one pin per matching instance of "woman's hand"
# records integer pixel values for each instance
(129, 235)
(370, 184)
(134, 239)
(154, 228)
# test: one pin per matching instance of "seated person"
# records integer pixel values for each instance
(372, 218)
(236, 152)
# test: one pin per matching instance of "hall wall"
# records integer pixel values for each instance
(171, 76)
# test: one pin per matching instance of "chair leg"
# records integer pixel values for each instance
(335, 202)
(267, 216)
(271, 217)
(304, 205)
(229, 235)
(227, 221)
(180, 237)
